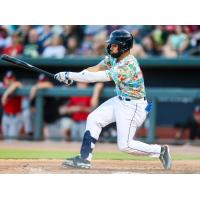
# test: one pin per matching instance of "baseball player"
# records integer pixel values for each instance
(128, 109)
(11, 120)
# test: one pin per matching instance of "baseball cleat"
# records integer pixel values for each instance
(165, 157)
(76, 162)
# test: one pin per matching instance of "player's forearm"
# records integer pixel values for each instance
(44, 85)
(12, 88)
(89, 77)
(33, 92)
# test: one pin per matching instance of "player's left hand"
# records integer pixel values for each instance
(63, 77)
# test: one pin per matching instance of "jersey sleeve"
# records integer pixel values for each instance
(105, 63)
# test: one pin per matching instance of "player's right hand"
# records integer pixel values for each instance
(63, 77)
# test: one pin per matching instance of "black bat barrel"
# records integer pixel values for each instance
(25, 65)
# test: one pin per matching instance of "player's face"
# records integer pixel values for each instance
(9, 81)
(114, 48)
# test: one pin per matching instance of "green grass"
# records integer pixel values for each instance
(44, 154)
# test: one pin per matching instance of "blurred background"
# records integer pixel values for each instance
(34, 107)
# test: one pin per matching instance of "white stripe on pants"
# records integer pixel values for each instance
(128, 115)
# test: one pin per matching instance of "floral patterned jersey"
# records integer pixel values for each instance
(127, 76)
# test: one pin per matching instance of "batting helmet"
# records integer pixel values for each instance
(123, 39)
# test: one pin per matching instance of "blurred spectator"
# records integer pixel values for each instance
(11, 28)
(195, 44)
(98, 87)
(193, 124)
(57, 29)
(94, 29)
(111, 28)
(50, 114)
(159, 35)
(45, 36)
(32, 48)
(65, 124)
(72, 46)
(5, 39)
(11, 120)
(191, 29)
(15, 48)
(159, 38)
(139, 32)
(27, 121)
(79, 107)
(138, 51)
(73, 31)
(177, 42)
(23, 32)
(98, 46)
(131, 28)
(55, 48)
(168, 40)
(149, 47)
(89, 46)
(86, 46)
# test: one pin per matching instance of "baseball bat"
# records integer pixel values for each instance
(25, 65)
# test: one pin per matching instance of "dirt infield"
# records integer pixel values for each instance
(51, 166)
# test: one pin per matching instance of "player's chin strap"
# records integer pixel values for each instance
(88, 145)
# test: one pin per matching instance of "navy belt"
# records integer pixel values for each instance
(129, 99)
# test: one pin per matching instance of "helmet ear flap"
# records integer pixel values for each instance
(127, 45)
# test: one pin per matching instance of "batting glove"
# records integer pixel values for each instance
(63, 77)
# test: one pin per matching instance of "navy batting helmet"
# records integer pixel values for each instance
(123, 39)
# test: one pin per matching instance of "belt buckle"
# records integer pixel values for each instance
(124, 98)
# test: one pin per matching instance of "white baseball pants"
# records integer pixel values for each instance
(128, 115)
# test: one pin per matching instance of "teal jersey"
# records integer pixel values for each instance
(127, 76)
